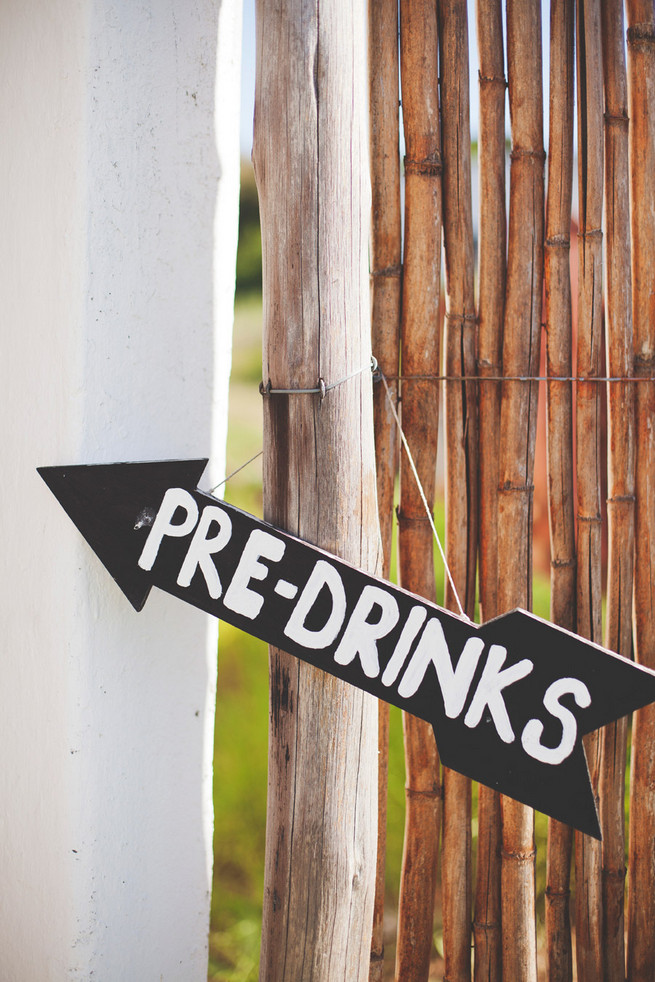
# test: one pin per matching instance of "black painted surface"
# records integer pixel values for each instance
(114, 507)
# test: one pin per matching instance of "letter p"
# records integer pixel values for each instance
(163, 524)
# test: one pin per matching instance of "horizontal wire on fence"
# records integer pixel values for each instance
(322, 388)
(519, 378)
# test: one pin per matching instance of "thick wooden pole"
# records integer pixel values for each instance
(621, 473)
(491, 307)
(558, 319)
(386, 271)
(420, 357)
(319, 475)
(461, 447)
(588, 895)
(641, 94)
(518, 432)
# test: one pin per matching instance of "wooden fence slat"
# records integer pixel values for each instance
(461, 439)
(558, 321)
(419, 356)
(492, 268)
(588, 892)
(460, 451)
(386, 255)
(621, 473)
(386, 261)
(518, 432)
(641, 96)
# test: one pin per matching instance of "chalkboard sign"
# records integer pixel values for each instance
(509, 700)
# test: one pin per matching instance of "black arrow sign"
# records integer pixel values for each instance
(509, 701)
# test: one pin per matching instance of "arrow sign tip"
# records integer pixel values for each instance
(108, 502)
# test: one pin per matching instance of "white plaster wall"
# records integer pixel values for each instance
(115, 342)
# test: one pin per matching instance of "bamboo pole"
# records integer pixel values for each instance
(588, 892)
(461, 430)
(419, 356)
(641, 95)
(385, 332)
(518, 432)
(621, 474)
(492, 268)
(319, 476)
(492, 263)
(558, 320)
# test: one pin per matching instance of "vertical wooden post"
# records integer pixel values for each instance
(588, 458)
(492, 269)
(419, 357)
(641, 95)
(461, 446)
(558, 319)
(518, 432)
(621, 472)
(319, 475)
(386, 272)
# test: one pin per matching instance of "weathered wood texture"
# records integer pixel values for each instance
(419, 357)
(319, 475)
(461, 447)
(492, 269)
(491, 305)
(558, 321)
(641, 96)
(386, 249)
(386, 272)
(518, 432)
(621, 473)
(376, 972)
(588, 895)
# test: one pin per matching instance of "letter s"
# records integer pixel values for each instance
(531, 736)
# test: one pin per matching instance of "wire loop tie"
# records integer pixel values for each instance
(321, 389)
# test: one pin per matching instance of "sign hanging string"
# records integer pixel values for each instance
(234, 473)
(428, 512)
(321, 390)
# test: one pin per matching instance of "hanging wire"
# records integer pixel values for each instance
(380, 375)
(230, 476)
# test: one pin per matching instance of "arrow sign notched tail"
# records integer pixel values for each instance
(109, 502)
(509, 701)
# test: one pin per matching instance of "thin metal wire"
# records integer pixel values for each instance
(381, 376)
(230, 476)
(322, 389)
(519, 378)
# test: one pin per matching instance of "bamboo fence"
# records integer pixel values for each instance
(559, 335)
(572, 273)
(420, 349)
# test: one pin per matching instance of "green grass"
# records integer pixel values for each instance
(240, 751)
(240, 755)
(240, 743)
